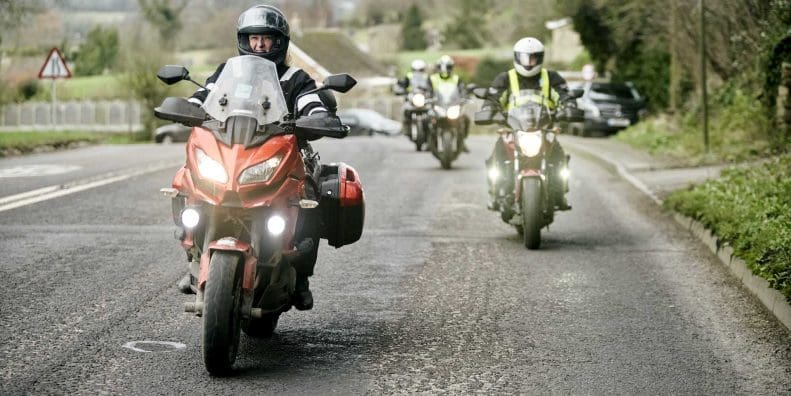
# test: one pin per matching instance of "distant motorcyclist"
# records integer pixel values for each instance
(263, 31)
(444, 76)
(417, 77)
(528, 74)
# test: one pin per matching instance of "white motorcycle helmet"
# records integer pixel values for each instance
(445, 66)
(418, 65)
(528, 56)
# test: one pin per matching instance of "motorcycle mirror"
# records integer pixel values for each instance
(571, 114)
(181, 111)
(480, 93)
(171, 74)
(339, 82)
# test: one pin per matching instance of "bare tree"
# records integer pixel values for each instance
(165, 15)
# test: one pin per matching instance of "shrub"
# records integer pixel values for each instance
(488, 68)
(750, 209)
(28, 89)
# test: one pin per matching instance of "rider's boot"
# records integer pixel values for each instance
(184, 284)
(302, 297)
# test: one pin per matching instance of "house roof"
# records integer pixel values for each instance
(337, 53)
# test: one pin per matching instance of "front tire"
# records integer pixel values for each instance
(221, 316)
(531, 213)
(447, 149)
(420, 136)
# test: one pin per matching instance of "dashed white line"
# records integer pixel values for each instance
(51, 192)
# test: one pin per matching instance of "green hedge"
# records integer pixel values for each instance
(750, 209)
(15, 143)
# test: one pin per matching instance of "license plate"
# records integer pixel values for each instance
(619, 122)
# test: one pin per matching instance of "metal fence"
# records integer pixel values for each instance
(125, 116)
(105, 116)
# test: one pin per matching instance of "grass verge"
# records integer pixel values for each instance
(16, 143)
(750, 209)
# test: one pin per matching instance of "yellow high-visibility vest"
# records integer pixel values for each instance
(438, 83)
(548, 94)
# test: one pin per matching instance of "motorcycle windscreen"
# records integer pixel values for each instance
(447, 94)
(420, 81)
(247, 86)
(528, 117)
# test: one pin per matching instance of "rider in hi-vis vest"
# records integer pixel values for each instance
(529, 81)
(417, 76)
(445, 77)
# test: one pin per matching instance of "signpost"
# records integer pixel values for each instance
(53, 68)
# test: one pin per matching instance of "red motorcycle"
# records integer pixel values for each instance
(524, 199)
(245, 198)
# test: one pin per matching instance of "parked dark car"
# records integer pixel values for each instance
(609, 107)
(172, 133)
(367, 122)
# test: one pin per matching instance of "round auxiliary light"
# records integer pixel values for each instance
(190, 217)
(276, 225)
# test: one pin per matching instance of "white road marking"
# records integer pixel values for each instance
(133, 345)
(51, 192)
(37, 170)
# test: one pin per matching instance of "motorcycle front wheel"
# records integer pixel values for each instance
(531, 213)
(221, 316)
(447, 149)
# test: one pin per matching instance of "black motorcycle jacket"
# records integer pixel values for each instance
(293, 81)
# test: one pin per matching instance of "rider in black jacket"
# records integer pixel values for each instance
(528, 74)
(263, 31)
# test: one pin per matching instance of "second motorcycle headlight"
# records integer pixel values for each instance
(210, 168)
(454, 112)
(260, 173)
(419, 100)
(529, 142)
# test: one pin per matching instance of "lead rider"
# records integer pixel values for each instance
(263, 31)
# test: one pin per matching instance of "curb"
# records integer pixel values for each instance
(772, 299)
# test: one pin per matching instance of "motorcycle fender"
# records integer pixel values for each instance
(526, 174)
(530, 173)
(231, 245)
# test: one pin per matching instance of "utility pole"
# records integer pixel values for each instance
(674, 73)
(703, 75)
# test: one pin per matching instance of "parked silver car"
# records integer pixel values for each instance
(172, 133)
(368, 122)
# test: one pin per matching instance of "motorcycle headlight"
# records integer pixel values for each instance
(440, 111)
(529, 142)
(419, 100)
(494, 174)
(454, 112)
(190, 217)
(209, 168)
(260, 173)
(276, 225)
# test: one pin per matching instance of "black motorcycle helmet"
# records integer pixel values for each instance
(264, 20)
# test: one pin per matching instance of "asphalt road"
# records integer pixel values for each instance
(439, 296)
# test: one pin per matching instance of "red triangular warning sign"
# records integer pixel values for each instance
(55, 66)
